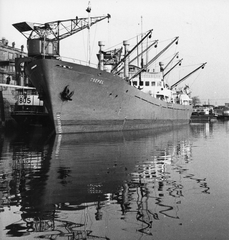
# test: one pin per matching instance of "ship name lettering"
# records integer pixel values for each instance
(96, 80)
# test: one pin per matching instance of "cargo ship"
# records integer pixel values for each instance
(114, 96)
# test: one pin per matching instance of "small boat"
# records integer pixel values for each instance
(203, 113)
(115, 96)
(222, 112)
(29, 110)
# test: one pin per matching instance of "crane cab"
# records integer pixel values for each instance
(42, 47)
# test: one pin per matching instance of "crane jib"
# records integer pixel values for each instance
(43, 39)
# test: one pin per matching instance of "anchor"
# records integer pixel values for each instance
(66, 94)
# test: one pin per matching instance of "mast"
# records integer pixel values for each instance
(137, 53)
(182, 79)
(88, 10)
(141, 39)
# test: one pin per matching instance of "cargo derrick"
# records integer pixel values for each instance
(188, 75)
(178, 63)
(175, 40)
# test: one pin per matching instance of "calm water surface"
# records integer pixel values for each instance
(133, 185)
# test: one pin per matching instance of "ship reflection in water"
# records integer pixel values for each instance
(129, 185)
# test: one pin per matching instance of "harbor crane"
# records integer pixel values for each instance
(43, 39)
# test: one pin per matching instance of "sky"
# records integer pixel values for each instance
(202, 27)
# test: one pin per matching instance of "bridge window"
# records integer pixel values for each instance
(135, 83)
(152, 83)
(146, 83)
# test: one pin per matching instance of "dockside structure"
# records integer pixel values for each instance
(8, 54)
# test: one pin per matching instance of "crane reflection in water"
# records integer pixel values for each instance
(96, 186)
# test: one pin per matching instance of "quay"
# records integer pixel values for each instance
(209, 113)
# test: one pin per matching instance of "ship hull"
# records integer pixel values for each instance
(99, 100)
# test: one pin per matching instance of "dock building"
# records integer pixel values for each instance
(8, 53)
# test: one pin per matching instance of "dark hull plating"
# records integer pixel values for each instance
(101, 100)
